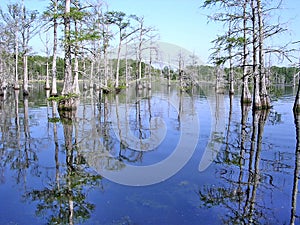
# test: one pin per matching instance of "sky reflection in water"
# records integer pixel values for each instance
(50, 171)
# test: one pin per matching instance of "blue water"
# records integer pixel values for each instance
(45, 181)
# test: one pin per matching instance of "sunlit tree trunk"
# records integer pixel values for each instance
(84, 76)
(118, 60)
(25, 75)
(140, 44)
(180, 69)
(246, 95)
(231, 73)
(256, 95)
(91, 74)
(150, 71)
(47, 85)
(25, 40)
(16, 85)
(76, 63)
(55, 25)
(105, 53)
(264, 96)
(68, 79)
(126, 66)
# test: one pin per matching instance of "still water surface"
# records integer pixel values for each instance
(148, 157)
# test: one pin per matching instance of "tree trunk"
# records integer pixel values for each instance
(231, 74)
(118, 61)
(140, 61)
(296, 172)
(126, 66)
(296, 107)
(105, 54)
(76, 89)
(169, 76)
(16, 85)
(68, 79)
(47, 85)
(140, 50)
(256, 96)
(91, 74)
(150, 71)
(84, 76)
(246, 96)
(25, 40)
(25, 77)
(55, 24)
(264, 96)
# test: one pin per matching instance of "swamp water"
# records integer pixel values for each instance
(148, 157)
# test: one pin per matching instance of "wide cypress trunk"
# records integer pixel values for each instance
(67, 104)
(68, 79)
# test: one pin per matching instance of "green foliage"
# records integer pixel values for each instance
(37, 67)
(284, 75)
(54, 120)
(62, 97)
(117, 18)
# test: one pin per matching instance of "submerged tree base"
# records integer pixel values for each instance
(67, 109)
(246, 101)
(68, 104)
(262, 107)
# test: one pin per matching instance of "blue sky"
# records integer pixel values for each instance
(179, 22)
(183, 23)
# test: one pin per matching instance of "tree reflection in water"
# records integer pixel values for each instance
(254, 180)
(64, 199)
(238, 193)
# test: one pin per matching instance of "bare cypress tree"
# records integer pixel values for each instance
(28, 29)
(12, 20)
(16, 34)
(144, 37)
(76, 89)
